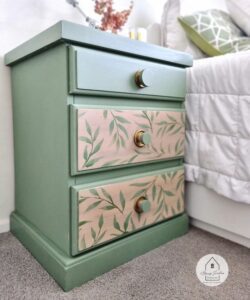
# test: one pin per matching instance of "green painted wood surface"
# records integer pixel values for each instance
(41, 143)
(65, 31)
(101, 182)
(99, 72)
(72, 272)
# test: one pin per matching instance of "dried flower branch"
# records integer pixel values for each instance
(112, 20)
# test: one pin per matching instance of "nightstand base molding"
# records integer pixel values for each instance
(72, 272)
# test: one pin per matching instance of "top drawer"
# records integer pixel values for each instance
(98, 72)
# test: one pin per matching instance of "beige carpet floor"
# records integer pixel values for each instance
(164, 273)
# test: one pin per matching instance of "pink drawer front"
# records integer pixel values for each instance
(110, 210)
(106, 137)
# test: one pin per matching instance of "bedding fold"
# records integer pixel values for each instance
(217, 150)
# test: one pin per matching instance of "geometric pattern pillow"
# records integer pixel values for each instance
(214, 32)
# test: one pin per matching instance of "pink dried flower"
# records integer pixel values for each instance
(111, 19)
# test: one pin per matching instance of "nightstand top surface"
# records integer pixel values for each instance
(67, 32)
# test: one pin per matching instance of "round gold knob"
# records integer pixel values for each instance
(143, 78)
(142, 205)
(142, 138)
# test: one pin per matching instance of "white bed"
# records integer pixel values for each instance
(208, 209)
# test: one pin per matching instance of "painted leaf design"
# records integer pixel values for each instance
(85, 154)
(105, 114)
(126, 222)
(106, 194)
(108, 207)
(132, 224)
(93, 233)
(83, 243)
(97, 147)
(179, 204)
(91, 162)
(100, 222)
(110, 163)
(100, 237)
(96, 134)
(123, 129)
(93, 205)
(88, 128)
(122, 120)
(82, 223)
(116, 224)
(85, 139)
(168, 193)
(94, 192)
(153, 192)
(139, 193)
(111, 126)
(122, 200)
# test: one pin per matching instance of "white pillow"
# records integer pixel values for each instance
(173, 36)
(240, 13)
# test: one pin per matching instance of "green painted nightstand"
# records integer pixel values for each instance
(99, 143)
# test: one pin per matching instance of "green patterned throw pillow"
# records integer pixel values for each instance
(214, 32)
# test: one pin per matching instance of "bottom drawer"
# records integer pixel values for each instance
(108, 211)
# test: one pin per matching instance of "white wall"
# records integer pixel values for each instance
(20, 20)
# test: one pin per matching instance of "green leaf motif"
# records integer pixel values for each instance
(82, 199)
(153, 192)
(106, 194)
(139, 193)
(179, 204)
(97, 147)
(132, 224)
(123, 129)
(172, 118)
(116, 224)
(108, 207)
(83, 243)
(85, 154)
(105, 114)
(110, 163)
(159, 207)
(173, 211)
(100, 237)
(122, 120)
(85, 139)
(93, 205)
(93, 233)
(168, 193)
(88, 128)
(94, 192)
(126, 222)
(100, 222)
(91, 162)
(96, 134)
(132, 158)
(111, 126)
(83, 223)
(122, 200)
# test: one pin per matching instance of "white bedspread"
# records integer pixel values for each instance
(218, 125)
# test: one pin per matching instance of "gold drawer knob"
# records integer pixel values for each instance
(143, 78)
(142, 205)
(142, 138)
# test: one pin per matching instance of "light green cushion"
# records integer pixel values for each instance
(214, 32)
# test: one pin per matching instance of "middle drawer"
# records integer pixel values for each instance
(102, 138)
